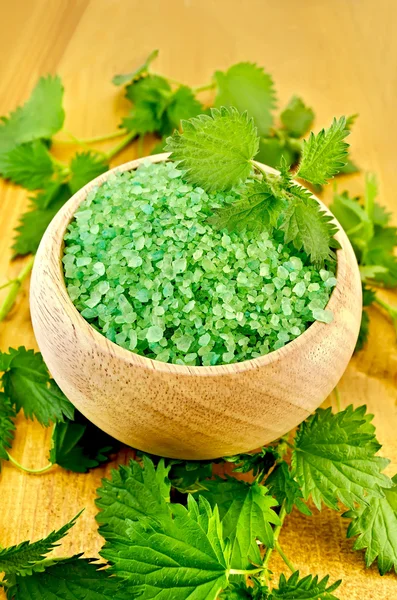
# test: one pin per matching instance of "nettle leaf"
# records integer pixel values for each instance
(182, 105)
(7, 427)
(324, 154)
(216, 151)
(334, 458)
(189, 476)
(22, 559)
(29, 165)
(248, 88)
(354, 220)
(84, 167)
(259, 209)
(239, 590)
(284, 488)
(259, 463)
(73, 578)
(79, 445)
(246, 513)
(363, 332)
(179, 557)
(297, 118)
(376, 528)
(136, 73)
(308, 227)
(39, 118)
(150, 97)
(307, 588)
(132, 493)
(28, 385)
(34, 222)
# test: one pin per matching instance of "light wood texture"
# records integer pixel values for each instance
(188, 412)
(341, 57)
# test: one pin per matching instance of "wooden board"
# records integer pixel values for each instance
(341, 56)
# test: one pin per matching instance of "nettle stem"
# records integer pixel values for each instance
(14, 286)
(75, 141)
(120, 146)
(284, 557)
(277, 531)
(26, 469)
(204, 88)
(245, 571)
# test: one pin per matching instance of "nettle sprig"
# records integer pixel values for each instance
(172, 529)
(217, 152)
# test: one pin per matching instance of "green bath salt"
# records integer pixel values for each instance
(146, 269)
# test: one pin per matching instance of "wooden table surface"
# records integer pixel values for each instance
(341, 58)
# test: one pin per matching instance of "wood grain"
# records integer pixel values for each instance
(179, 411)
(341, 57)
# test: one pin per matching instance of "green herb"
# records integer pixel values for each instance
(132, 492)
(73, 578)
(374, 240)
(216, 151)
(286, 490)
(247, 87)
(28, 386)
(77, 445)
(324, 154)
(335, 460)
(268, 200)
(30, 122)
(27, 557)
(246, 511)
(376, 528)
(297, 118)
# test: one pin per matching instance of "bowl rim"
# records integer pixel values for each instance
(53, 240)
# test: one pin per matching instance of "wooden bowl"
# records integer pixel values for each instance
(181, 411)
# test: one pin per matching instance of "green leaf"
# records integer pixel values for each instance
(151, 97)
(136, 73)
(369, 296)
(182, 105)
(297, 118)
(159, 147)
(39, 118)
(285, 489)
(248, 88)
(258, 210)
(307, 588)
(246, 512)
(29, 387)
(216, 151)
(7, 427)
(188, 476)
(272, 150)
(34, 222)
(29, 165)
(376, 528)
(354, 220)
(259, 463)
(308, 227)
(241, 591)
(335, 460)
(72, 579)
(178, 558)
(22, 559)
(363, 332)
(324, 154)
(132, 492)
(84, 167)
(79, 445)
